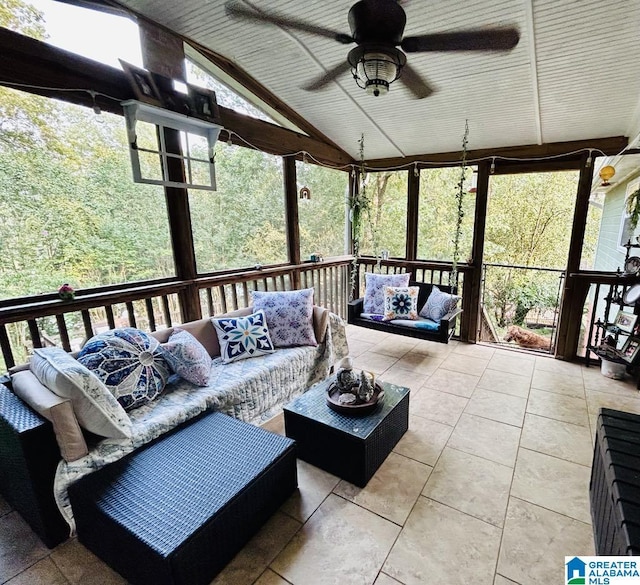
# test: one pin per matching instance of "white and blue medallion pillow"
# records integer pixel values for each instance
(439, 304)
(289, 316)
(243, 337)
(400, 302)
(130, 363)
(374, 289)
(187, 357)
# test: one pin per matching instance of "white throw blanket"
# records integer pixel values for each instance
(251, 390)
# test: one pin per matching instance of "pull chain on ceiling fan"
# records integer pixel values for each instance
(377, 27)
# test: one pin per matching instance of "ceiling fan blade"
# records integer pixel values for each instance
(491, 39)
(327, 77)
(237, 10)
(418, 86)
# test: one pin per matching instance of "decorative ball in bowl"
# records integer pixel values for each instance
(353, 394)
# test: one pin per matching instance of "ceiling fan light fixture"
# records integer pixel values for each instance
(375, 68)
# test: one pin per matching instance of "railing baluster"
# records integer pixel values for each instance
(281, 282)
(234, 296)
(166, 311)
(5, 345)
(34, 333)
(86, 322)
(245, 293)
(111, 322)
(131, 314)
(223, 298)
(210, 302)
(64, 334)
(150, 316)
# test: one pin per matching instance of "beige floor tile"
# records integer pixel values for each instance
(82, 567)
(453, 382)
(442, 546)
(373, 362)
(358, 347)
(465, 364)
(552, 483)
(271, 578)
(417, 362)
(486, 438)
(19, 546)
(341, 543)
(596, 382)
(424, 440)
(275, 424)
(433, 349)
(475, 350)
(558, 407)
(550, 364)
(401, 377)
(497, 406)
(392, 491)
(559, 439)
(258, 553)
(512, 384)
(535, 542)
(512, 363)
(565, 384)
(314, 485)
(366, 334)
(394, 346)
(471, 484)
(384, 579)
(598, 400)
(44, 572)
(500, 580)
(438, 406)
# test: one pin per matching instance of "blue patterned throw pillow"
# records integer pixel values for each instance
(129, 362)
(187, 357)
(439, 304)
(289, 316)
(243, 337)
(374, 290)
(400, 302)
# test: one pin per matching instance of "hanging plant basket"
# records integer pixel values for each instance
(633, 208)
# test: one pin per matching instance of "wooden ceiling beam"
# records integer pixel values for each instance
(29, 62)
(610, 146)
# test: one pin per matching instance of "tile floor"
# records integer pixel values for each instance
(489, 485)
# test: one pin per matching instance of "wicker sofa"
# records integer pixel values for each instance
(34, 478)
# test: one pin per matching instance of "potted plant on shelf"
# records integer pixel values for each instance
(633, 208)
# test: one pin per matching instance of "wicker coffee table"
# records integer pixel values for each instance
(348, 446)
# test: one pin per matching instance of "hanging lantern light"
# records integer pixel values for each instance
(605, 174)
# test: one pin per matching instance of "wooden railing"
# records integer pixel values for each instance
(34, 322)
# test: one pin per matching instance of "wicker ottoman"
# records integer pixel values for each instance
(615, 484)
(177, 510)
(350, 447)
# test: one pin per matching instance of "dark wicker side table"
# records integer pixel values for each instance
(615, 484)
(350, 447)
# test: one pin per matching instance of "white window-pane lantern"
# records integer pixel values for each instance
(198, 161)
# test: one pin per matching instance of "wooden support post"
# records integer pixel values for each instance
(473, 279)
(413, 192)
(574, 293)
(291, 214)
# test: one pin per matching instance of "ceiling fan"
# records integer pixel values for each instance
(377, 28)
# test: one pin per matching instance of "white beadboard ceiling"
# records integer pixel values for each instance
(573, 76)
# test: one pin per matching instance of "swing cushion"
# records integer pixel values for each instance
(401, 302)
(374, 289)
(439, 304)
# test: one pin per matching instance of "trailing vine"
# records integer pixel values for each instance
(359, 205)
(453, 275)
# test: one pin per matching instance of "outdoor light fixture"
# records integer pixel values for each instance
(606, 173)
(375, 67)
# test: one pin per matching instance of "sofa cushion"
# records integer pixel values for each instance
(55, 409)
(187, 357)
(243, 337)
(289, 316)
(421, 323)
(202, 330)
(438, 304)
(94, 406)
(374, 289)
(130, 363)
(400, 302)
